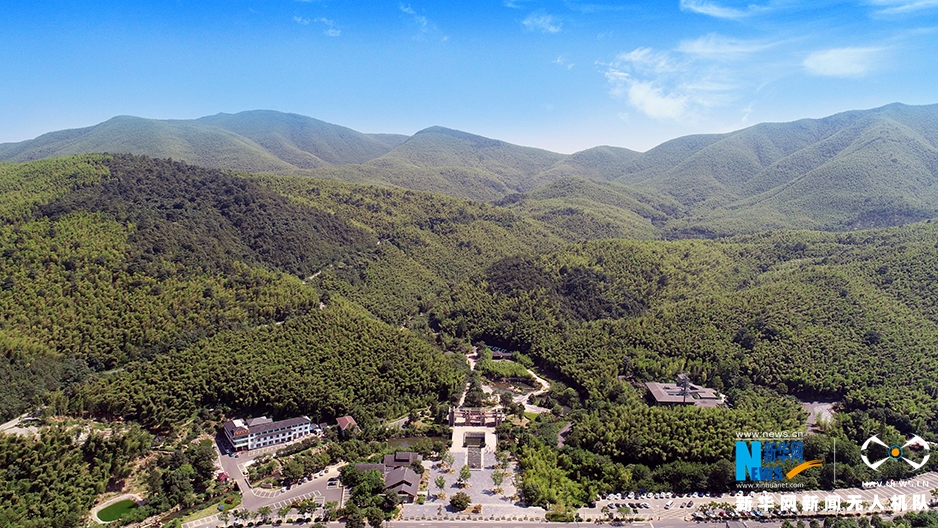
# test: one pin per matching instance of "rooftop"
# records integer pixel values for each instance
(345, 422)
(261, 425)
(672, 393)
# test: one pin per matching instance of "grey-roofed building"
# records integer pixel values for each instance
(368, 467)
(260, 432)
(402, 459)
(398, 478)
(403, 480)
(683, 393)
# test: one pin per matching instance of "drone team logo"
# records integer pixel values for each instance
(895, 452)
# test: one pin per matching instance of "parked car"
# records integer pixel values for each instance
(669, 504)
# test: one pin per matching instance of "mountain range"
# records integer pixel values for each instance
(858, 169)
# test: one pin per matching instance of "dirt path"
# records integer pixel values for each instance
(523, 398)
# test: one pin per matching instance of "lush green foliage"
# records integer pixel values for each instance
(327, 363)
(501, 369)
(88, 282)
(53, 481)
(822, 314)
(23, 186)
(426, 242)
(200, 287)
(851, 170)
(258, 141)
(116, 510)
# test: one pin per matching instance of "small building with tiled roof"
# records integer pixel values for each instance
(346, 424)
(398, 478)
(402, 459)
(404, 481)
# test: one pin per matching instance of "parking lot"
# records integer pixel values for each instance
(759, 504)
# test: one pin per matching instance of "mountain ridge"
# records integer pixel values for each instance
(861, 168)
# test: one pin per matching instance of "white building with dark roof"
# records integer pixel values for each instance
(255, 433)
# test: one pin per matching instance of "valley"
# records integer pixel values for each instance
(281, 266)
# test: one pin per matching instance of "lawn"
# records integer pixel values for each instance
(114, 511)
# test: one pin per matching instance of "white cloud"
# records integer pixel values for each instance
(680, 85)
(649, 60)
(423, 23)
(302, 21)
(646, 96)
(563, 62)
(705, 7)
(842, 62)
(894, 7)
(540, 21)
(331, 30)
(714, 45)
(592, 7)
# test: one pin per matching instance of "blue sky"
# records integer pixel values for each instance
(561, 75)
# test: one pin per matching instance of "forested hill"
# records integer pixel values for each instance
(152, 291)
(252, 141)
(111, 259)
(854, 170)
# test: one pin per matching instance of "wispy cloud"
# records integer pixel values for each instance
(684, 83)
(561, 61)
(647, 60)
(894, 7)
(843, 62)
(706, 7)
(645, 96)
(593, 7)
(514, 4)
(422, 23)
(420, 20)
(330, 30)
(714, 45)
(541, 21)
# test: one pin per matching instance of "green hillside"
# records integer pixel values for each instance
(854, 170)
(252, 141)
(111, 259)
(596, 209)
(302, 141)
(825, 315)
(517, 168)
(151, 291)
(203, 145)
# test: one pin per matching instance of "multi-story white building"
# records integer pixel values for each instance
(255, 433)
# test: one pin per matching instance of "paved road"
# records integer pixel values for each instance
(254, 498)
